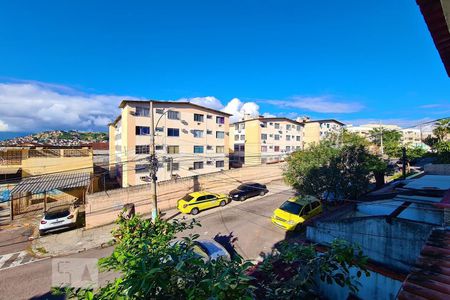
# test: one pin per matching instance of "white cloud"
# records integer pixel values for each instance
(3, 126)
(320, 104)
(33, 106)
(268, 115)
(235, 106)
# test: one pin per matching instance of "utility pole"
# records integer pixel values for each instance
(404, 162)
(153, 166)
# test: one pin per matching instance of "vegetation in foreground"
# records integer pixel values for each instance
(151, 266)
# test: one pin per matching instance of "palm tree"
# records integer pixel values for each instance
(442, 129)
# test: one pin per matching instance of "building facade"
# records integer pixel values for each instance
(410, 136)
(23, 161)
(264, 140)
(318, 130)
(189, 140)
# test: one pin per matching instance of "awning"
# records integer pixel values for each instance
(10, 170)
(43, 183)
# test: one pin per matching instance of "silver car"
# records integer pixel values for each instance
(208, 249)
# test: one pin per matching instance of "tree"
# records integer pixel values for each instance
(378, 167)
(323, 170)
(391, 141)
(292, 270)
(442, 129)
(414, 153)
(151, 266)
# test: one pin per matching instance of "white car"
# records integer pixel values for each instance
(58, 217)
(207, 249)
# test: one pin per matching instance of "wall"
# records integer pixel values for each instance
(437, 169)
(312, 134)
(103, 207)
(396, 245)
(252, 143)
(376, 286)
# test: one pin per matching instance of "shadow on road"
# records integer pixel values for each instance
(48, 296)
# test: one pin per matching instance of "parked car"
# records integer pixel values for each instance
(59, 217)
(292, 213)
(194, 202)
(208, 249)
(248, 190)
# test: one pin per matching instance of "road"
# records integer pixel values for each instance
(248, 221)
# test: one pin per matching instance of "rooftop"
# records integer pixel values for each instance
(325, 120)
(43, 183)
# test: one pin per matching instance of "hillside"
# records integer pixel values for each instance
(58, 138)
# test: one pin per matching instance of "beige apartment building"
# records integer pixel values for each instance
(410, 136)
(189, 140)
(318, 130)
(264, 140)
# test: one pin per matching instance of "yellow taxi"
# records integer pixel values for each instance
(293, 212)
(194, 202)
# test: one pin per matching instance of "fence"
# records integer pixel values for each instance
(103, 207)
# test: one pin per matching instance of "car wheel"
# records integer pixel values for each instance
(194, 211)
(262, 193)
(242, 198)
(222, 203)
(41, 232)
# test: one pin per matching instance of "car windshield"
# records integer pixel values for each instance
(56, 214)
(187, 197)
(243, 187)
(291, 207)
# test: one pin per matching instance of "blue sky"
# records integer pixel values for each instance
(67, 64)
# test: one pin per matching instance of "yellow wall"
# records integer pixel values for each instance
(312, 134)
(252, 143)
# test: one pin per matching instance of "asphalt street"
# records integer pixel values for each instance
(247, 223)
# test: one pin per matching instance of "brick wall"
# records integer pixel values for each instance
(103, 207)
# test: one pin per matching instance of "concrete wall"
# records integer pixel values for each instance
(437, 169)
(376, 286)
(103, 207)
(396, 245)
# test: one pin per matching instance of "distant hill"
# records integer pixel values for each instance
(57, 138)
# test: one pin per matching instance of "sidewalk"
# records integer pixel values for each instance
(79, 240)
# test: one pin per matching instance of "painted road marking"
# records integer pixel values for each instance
(11, 260)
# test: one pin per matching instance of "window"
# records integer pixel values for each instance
(173, 149)
(242, 125)
(306, 210)
(209, 163)
(142, 130)
(288, 138)
(263, 148)
(236, 147)
(242, 148)
(220, 164)
(198, 165)
(197, 133)
(263, 124)
(145, 168)
(298, 127)
(288, 127)
(328, 125)
(208, 131)
(198, 117)
(159, 147)
(298, 138)
(277, 125)
(198, 149)
(242, 137)
(159, 111)
(209, 147)
(220, 149)
(220, 120)
(263, 136)
(208, 116)
(173, 132)
(159, 129)
(277, 137)
(142, 111)
(173, 115)
(220, 134)
(236, 137)
(288, 148)
(315, 204)
(175, 166)
(142, 149)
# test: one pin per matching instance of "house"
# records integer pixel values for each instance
(255, 141)
(393, 232)
(189, 140)
(317, 130)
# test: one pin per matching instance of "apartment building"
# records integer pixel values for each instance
(317, 130)
(410, 136)
(189, 140)
(29, 160)
(264, 140)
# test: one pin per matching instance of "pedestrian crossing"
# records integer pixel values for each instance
(11, 260)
